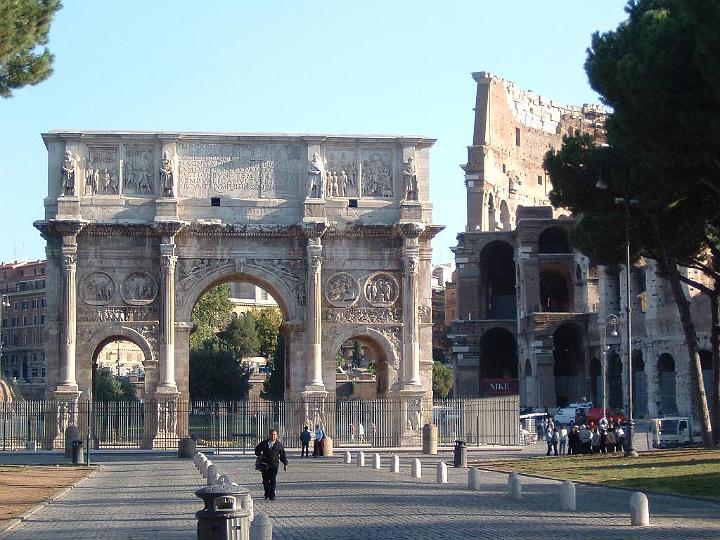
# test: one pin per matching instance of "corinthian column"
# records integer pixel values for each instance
(167, 317)
(313, 330)
(411, 337)
(69, 312)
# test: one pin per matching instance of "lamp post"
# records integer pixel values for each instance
(626, 201)
(611, 321)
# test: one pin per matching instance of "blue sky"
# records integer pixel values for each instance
(394, 67)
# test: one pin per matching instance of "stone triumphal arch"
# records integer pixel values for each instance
(140, 224)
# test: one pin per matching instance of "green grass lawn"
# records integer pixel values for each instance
(692, 472)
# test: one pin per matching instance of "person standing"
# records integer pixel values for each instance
(272, 452)
(305, 437)
(318, 444)
(563, 440)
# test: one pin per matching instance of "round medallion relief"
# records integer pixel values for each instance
(139, 289)
(97, 289)
(342, 290)
(381, 289)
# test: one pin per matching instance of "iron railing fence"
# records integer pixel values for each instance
(240, 425)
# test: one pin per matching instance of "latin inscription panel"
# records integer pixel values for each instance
(241, 170)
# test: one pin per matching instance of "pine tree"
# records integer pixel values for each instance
(24, 26)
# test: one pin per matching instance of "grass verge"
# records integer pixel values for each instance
(691, 472)
(23, 487)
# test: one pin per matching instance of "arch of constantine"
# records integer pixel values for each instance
(140, 224)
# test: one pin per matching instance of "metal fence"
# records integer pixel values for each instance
(240, 425)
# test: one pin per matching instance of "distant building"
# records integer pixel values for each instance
(532, 312)
(22, 291)
(441, 277)
(246, 297)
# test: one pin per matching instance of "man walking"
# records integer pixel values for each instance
(272, 452)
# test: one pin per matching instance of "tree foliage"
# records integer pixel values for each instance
(274, 384)
(658, 72)
(217, 374)
(24, 27)
(267, 327)
(442, 380)
(210, 315)
(108, 387)
(240, 336)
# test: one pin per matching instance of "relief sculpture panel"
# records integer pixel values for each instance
(377, 173)
(235, 170)
(342, 172)
(102, 172)
(97, 289)
(342, 290)
(139, 170)
(139, 289)
(381, 289)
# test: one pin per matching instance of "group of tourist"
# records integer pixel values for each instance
(582, 439)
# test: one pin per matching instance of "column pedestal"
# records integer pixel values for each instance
(412, 405)
(166, 408)
(66, 414)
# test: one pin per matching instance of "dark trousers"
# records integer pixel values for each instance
(552, 447)
(305, 450)
(317, 448)
(269, 476)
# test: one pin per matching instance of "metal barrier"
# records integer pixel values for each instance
(240, 425)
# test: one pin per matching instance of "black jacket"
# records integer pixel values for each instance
(273, 456)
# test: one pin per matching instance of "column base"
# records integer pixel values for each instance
(66, 412)
(166, 408)
(411, 417)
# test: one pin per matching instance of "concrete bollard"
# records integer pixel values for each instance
(204, 469)
(416, 469)
(211, 475)
(376, 461)
(474, 478)
(639, 510)
(567, 496)
(361, 459)
(348, 458)
(395, 467)
(261, 528)
(441, 473)
(514, 487)
(247, 504)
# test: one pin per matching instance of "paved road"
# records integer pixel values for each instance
(150, 496)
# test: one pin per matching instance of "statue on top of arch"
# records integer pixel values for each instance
(316, 178)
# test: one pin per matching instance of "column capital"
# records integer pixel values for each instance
(168, 228)
(68, 229)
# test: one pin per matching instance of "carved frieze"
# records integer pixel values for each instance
(139, 170)
(122, 314)
(240, 170)
(97, 289)
(189, 271)
(139, 289)
(363, 315)
(377, 173)
(102, 172)
(393, 335)
(342, 172)
(381, 289)
(342, 290)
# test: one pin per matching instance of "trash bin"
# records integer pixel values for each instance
(327, 447)
(429, 439)
(223, 517)
(72, 433)
(186, 448)
(460, 456)
(77, 452)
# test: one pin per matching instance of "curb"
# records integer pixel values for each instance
(603, 486)
(6, 529)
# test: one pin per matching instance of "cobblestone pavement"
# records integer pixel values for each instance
(150, 496)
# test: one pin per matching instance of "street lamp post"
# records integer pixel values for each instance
(611, 321)
(626, 201)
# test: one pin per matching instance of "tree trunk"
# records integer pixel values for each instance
(715, 347)
(683, 305)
